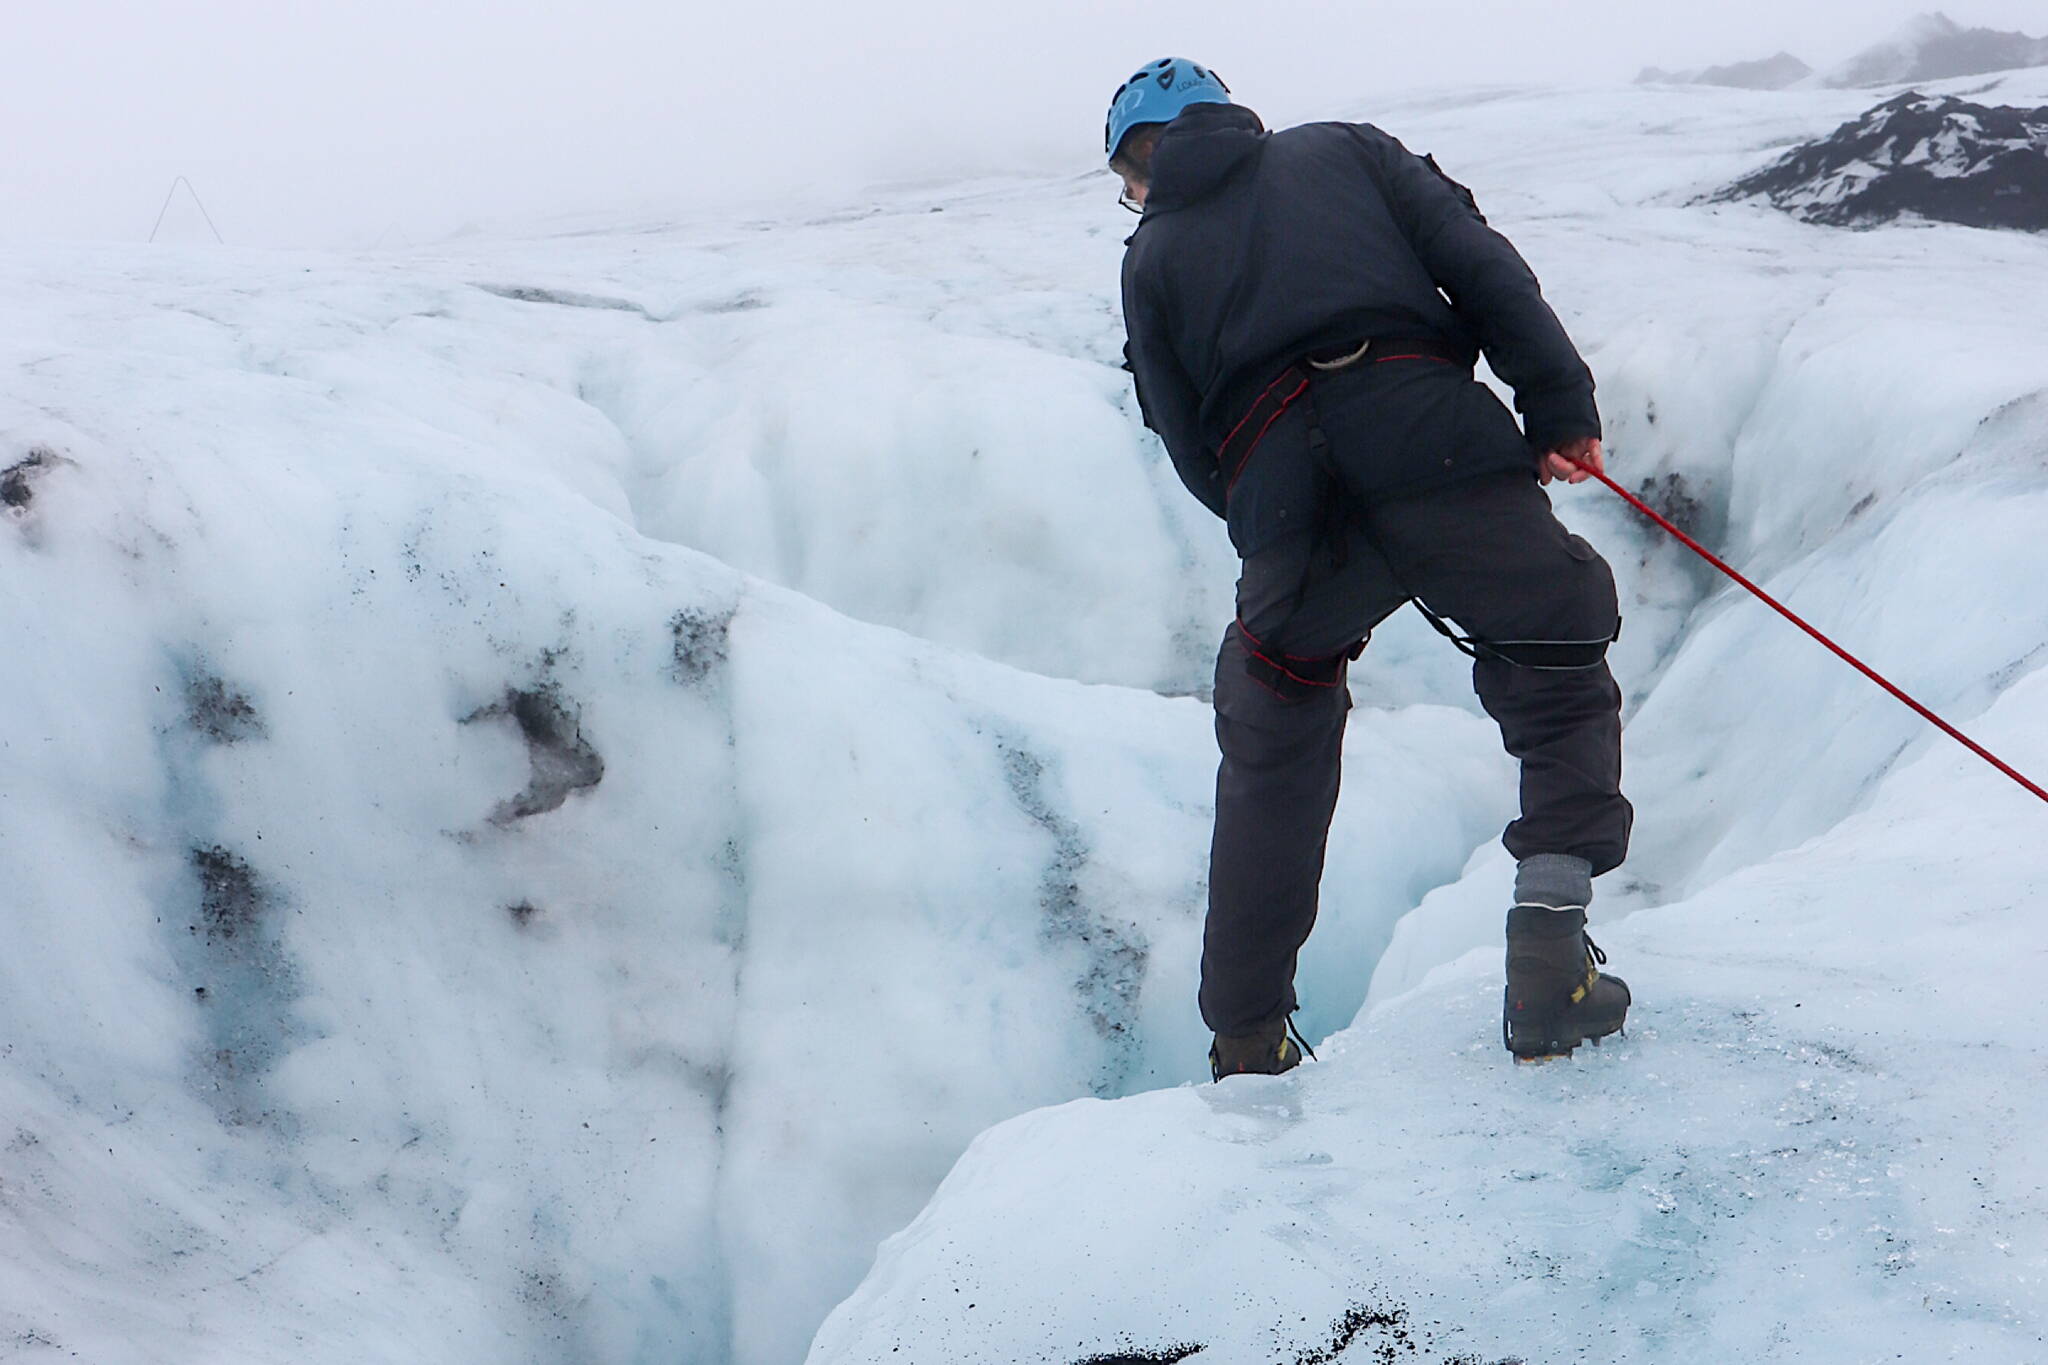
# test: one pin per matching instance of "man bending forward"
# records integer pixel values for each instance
(1304, 311)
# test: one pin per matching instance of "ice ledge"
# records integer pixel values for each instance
(1806, 1148)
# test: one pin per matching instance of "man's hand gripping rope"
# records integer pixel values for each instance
(1574, 461)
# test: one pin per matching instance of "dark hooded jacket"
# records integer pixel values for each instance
(1258, 248)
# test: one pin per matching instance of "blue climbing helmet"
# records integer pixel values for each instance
(1157, 94)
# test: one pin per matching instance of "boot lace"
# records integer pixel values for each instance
(1302, 1042)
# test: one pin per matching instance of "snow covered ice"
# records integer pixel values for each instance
(456, 921)
(552, 788)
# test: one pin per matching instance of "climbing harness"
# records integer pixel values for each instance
(1292, 677)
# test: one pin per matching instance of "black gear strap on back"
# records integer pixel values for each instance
(1546, 656)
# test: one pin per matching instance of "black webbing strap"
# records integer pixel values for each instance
(1548, 656)
(1236, 451)
(1291, 678)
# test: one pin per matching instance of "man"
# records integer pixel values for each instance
(1304, 311)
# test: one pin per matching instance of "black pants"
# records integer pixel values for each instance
(1487, 554)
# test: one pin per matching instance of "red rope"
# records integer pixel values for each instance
(1844, 655)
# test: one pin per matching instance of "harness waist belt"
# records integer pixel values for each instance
(1380, 349)
(1291, 383)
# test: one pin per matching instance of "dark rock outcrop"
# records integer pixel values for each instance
(1927, 156)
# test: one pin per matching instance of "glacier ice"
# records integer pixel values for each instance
(552, 788)
(455, 919)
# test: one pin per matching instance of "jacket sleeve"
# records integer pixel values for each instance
(1166, 396)
(1494, 291)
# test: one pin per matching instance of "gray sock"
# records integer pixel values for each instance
(1556, 881)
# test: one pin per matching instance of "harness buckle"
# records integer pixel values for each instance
(1343, 362)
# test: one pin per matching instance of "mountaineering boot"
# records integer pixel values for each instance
(1557, 997)
(1268, 1052)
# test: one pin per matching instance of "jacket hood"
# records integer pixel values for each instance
(1200, 151)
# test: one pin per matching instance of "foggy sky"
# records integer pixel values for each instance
(330, 123)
